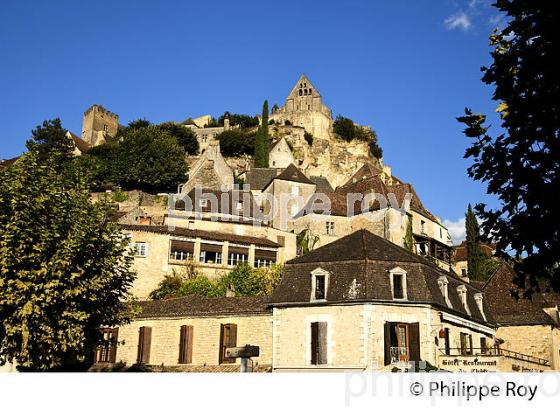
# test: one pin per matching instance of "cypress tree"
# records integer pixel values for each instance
(409, 239)
(475, 257)
(262, 147)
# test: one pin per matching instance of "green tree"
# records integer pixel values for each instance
(237, 142)
(521, 165)
(409, 238)
(184, 136)
(475, 257)
(306, 241)
(262, 142)
(50, 138)
(244, 121)
(64, 267)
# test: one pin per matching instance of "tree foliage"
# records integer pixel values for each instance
(521, 166)
(64, 267)
(409, 238)
(237, 142)
(184, 136)
(50, 138)
(262, 141)
(146, 158)
(243, 280)
(243, 120)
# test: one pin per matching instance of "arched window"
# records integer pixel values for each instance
(305, 91)
(300, 92)
(180, 205)
(311, 91)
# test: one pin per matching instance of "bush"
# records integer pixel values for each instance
(120, 196)
(287, 122)
(308, 137)
(243, 120)
(184, 136)
(271, 122)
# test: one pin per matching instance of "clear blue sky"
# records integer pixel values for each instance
(407, 68)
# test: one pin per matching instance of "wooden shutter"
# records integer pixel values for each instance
(447, 347)
(225, 343)
(470, 344)
(414, 340)
(144, 344)
(322, 343)
(185, 344)
(315, 343)
(387, 339)
(113, 348)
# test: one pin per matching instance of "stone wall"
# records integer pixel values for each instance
(542, 341)
(253, 329)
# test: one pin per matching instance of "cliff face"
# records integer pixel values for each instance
(327, 156)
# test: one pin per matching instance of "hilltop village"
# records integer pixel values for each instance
(379, 286)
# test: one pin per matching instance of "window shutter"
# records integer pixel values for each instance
(225, 343)
(414, 340)
(322, 342)
(185, 344)
(113, 349)
(387, 338)
(447, 347)
(314, 343)
(222, 344)
(144, 344)
(233, 337)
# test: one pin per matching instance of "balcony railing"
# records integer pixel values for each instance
(399, 354)
(493, 351)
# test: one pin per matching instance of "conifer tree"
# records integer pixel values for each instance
(262, 146)
(475, 257)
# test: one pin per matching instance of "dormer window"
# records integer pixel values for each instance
(462, 291)
(442, 283)
(398, 283)
(319, 284)
(478, 297)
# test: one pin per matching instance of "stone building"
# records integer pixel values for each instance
(363, 302)
(205, 133)
(459, 258)
(160, 250)
(528, 326)
(99, 125)
(191, 334)
(209, 171)
(280, 155)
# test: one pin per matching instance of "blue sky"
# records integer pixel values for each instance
(407, 68)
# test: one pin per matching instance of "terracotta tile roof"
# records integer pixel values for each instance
(460, 251)
(194, 305)
(197, 233)
(358, 265)
(510, 310)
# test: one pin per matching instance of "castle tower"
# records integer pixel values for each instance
(99, 125)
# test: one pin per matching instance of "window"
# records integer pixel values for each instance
(203, 202)
(402, 342)
(447, 345)
(443, 287)
(398, 283)
(239, 206)
(228, 338)
(329, 227)
(464, 272)
(185, 344)
(237, 255)
(264, 258)
(398, 287)
(106, 351)
(144, 344)
(105, 128)
(140, 249)
(462, 291)
(319, 284)
(320, 287)
(181, 251)
(466, 344)
(318, 343)
(483, 346)
(295, 190)
(423, 227)
(210, 253)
